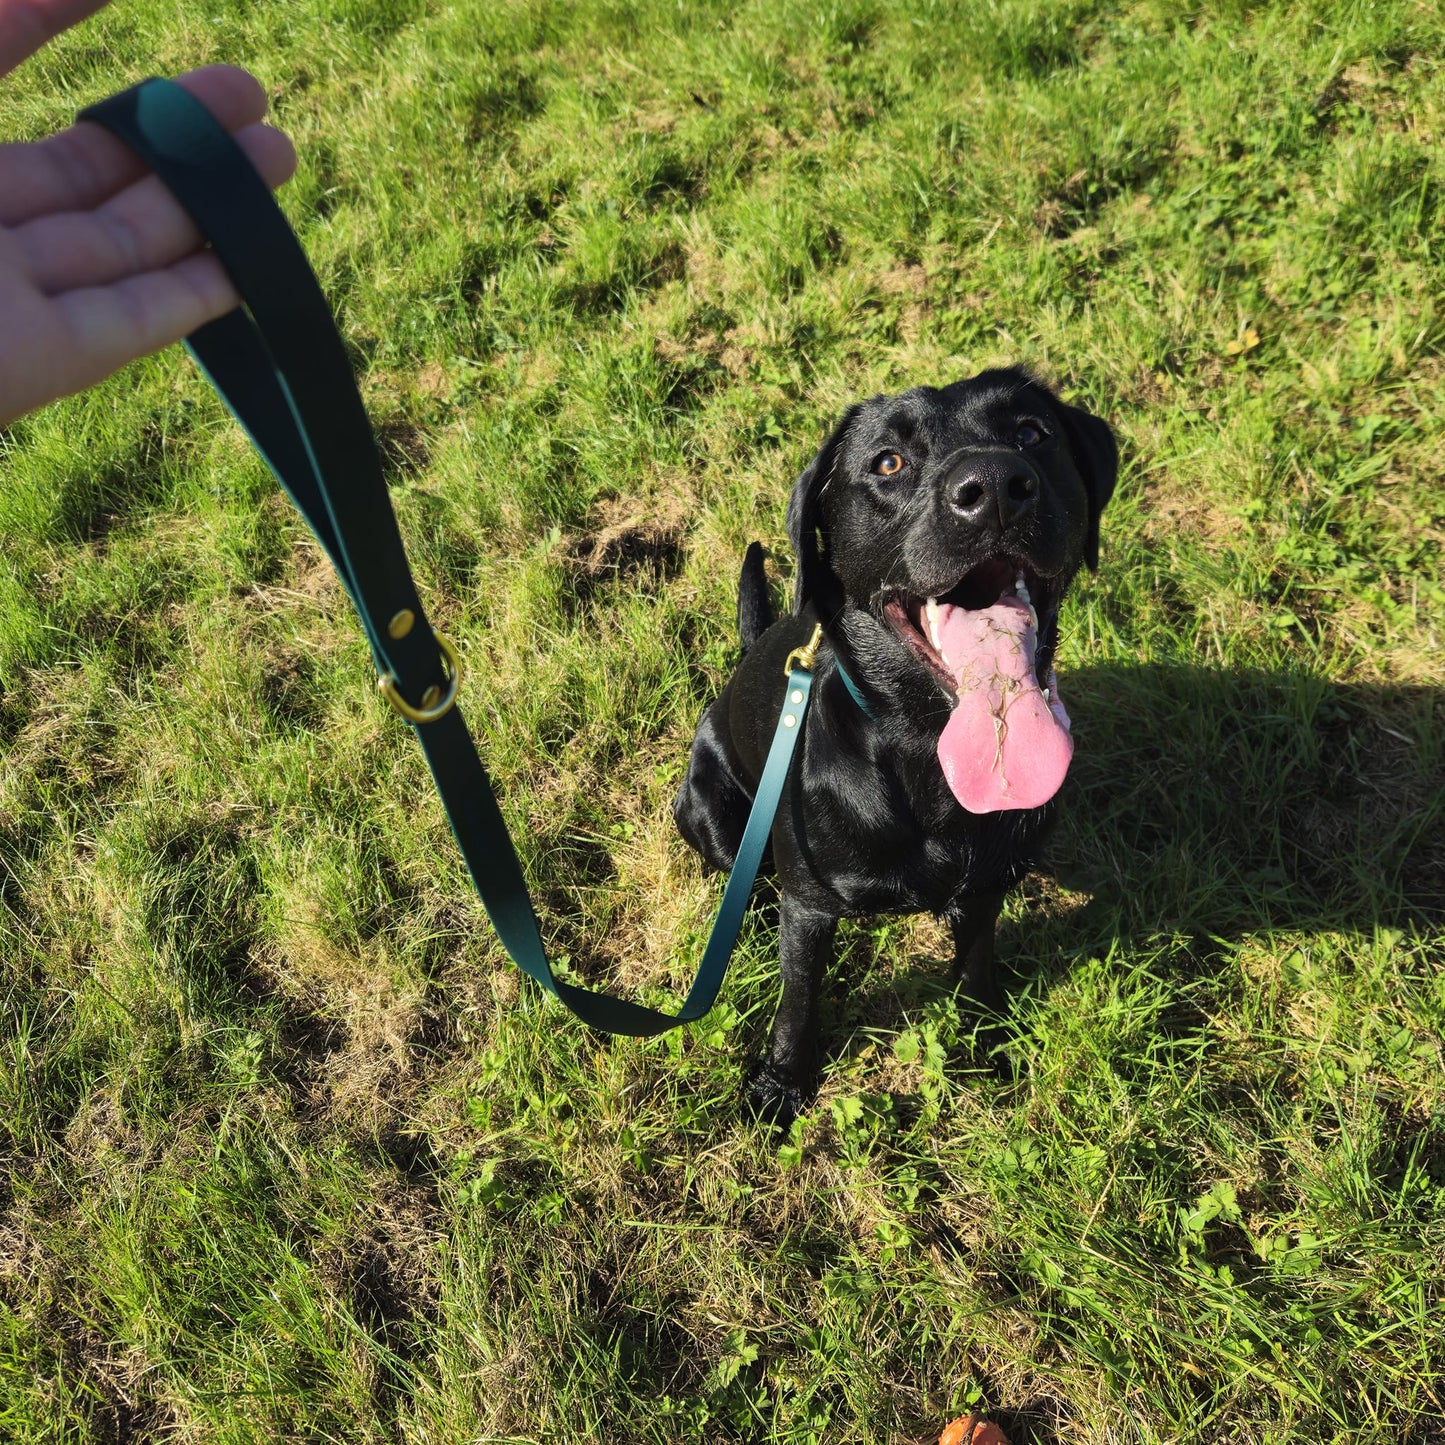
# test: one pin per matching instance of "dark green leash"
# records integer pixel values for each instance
(279, 365)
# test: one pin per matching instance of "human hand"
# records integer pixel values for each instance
(98, 262)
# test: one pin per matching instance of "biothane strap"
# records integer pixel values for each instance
(854, 691)
(279, 364)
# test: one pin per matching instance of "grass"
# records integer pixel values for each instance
(290, 1153)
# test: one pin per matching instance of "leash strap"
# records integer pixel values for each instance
(279, 365)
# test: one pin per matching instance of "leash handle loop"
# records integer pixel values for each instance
(280, 366)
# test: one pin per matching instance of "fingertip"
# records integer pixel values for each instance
(270, 151)
(233, 95)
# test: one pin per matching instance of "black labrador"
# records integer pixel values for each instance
(936, 533)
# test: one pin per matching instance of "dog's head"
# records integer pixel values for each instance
(952, 496)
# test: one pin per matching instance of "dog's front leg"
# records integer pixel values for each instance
(783, 1082)
(973, 921)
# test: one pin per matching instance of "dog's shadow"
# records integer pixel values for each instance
(1213, 804)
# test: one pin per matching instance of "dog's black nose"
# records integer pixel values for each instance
(993, 490)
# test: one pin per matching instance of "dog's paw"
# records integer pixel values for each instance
(775, 1096)
(980, 994)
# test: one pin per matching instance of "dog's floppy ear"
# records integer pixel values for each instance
(805, 516)
(1096, 455)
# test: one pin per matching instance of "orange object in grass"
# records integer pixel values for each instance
(970, 1430)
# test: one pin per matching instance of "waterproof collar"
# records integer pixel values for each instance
(854, 691)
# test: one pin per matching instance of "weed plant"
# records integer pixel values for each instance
(288, 1151)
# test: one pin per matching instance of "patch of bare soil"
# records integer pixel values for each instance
(735, 350)
(627, 538)
(309, 575)
(908, 281)
(382, 1262)
(364, 1028)
(1173, 510)
(1368, 87)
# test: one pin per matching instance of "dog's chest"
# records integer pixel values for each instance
(880, 844)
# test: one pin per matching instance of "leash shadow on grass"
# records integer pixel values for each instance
(1212, 804)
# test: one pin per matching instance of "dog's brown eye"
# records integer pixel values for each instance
(889, 464)
(1028, 435)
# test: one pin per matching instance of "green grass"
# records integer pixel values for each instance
(288, 1151)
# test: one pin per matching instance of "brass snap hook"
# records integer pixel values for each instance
(804, 657)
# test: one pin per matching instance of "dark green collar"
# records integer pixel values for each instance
(854, 691)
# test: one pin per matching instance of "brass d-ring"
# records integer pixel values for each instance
(433, 707)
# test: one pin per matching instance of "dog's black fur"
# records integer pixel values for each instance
(996, 474)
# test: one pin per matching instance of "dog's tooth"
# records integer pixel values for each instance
(1021, 590)
(933, 624)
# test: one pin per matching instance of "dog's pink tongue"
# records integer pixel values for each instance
(1005, 746)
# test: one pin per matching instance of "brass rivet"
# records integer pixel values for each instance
(401, 624)
(430, 697)
(790, 721)
(797, 695)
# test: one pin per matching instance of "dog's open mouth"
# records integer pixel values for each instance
(1007, 743)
